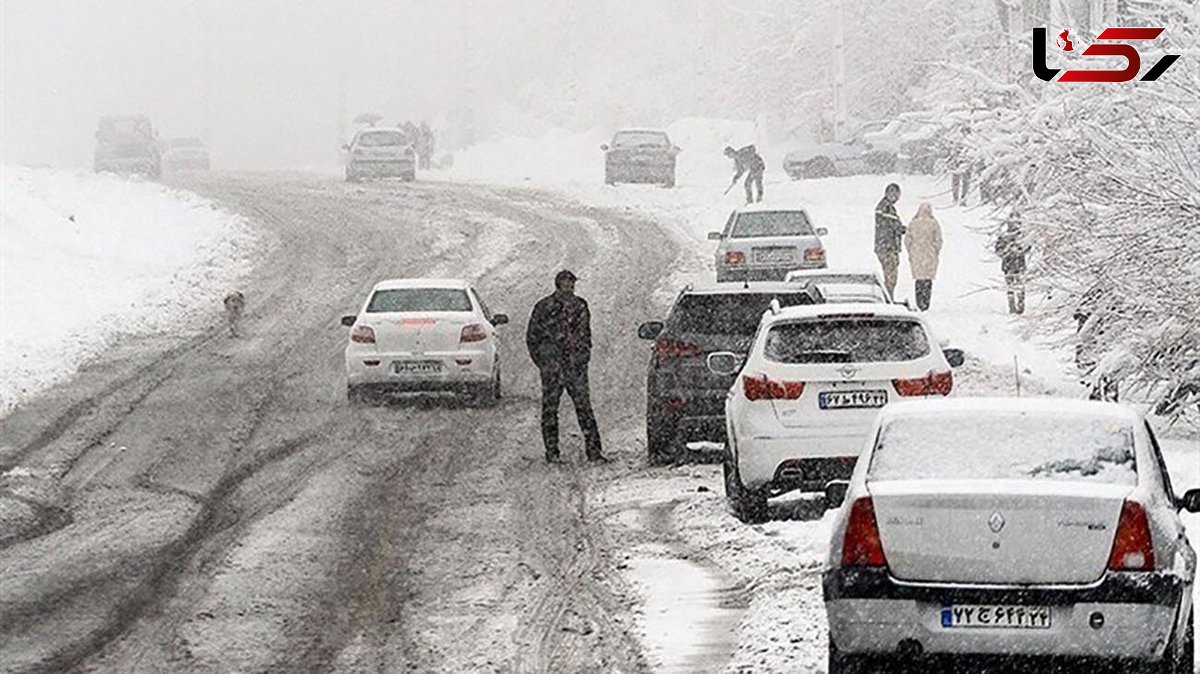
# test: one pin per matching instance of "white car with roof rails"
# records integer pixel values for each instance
(844, 285)
(416, 335)
(977, 529)
(809, 390)
(763, 243)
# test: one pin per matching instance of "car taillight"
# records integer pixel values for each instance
(363, 334)
(735, 257)
(934, 383)
(666, 349)
(472, 333)
(762, 387)
(814, 254)
(1133, 549)
(862, 545)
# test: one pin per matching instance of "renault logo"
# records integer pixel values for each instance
(847, 371)
(996, 522)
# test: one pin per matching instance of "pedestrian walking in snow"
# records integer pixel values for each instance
(235, 306)
(1012, 249)
(424, 143)
(888, 231)
(559, 338)
(924, 243)
(960, 170)
(747, 161)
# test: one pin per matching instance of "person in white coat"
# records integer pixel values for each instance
(923, 240)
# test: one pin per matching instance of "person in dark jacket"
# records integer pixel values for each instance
(424, 142)
(747, 161)
(559, 338)
(1012, 249)
(888, 232)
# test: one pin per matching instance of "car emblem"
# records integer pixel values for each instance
(996, 522)
(847, 371)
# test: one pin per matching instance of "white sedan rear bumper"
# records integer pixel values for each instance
(453, 370)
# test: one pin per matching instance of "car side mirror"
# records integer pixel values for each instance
(822, 231)
(725, 363)
(604, 147)
(835, 493)
(954, 356)
(1190, 501)
(650, 330)
(500, 319)
(714, 236)
(348, 321)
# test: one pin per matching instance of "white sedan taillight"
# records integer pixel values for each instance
(472, 333)
(862, 545)
(363, 334)
(1132, 549)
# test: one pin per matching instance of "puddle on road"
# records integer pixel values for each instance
(689, 624)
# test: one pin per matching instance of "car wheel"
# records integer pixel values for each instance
(660, 442)
(748, 506)
(487, 395)
(1180, 654)
(842, 663)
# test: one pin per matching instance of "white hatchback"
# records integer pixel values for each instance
(1010, 528)
(424, 335)
(809, 390)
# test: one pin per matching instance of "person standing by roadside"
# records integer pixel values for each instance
(559, 338)
(888, 231)
(924, 243)
(747, 161)
(1012, 249)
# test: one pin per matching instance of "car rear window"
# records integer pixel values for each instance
(836, 277)
(851, 292)
(382, 139)
(846, 340)
(1008, 446)
(636, 138)
(771, 223)
(419, 299)
(734, 314)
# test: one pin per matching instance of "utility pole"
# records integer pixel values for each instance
(839, 71)
(468, 68)
(206, 72)
(573, 59)
(698, 83)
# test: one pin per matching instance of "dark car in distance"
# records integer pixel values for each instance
(685, 401)
(640, 156)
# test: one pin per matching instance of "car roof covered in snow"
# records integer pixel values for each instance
(769, 208)
(739, 287)
(1032, 405)
(847, 309)
(395, 283)
(802, 274)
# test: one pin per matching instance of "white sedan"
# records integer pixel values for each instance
(424, 335)
(844, 285)
(1002, 528)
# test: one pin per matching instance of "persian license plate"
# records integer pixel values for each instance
(417, 366)
(996, 617)
(840, 400)
(771, 255)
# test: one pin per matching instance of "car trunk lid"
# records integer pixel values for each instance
(417, 333)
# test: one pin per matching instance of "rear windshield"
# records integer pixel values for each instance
(734, 314)
(847, 340)
(635, 138)
(1009, 446)
(382, 138)
(419, 299)
(835, 278)
(771, 223)
(851, 292)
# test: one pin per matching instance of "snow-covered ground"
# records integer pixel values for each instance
(86, 259)
(776, 567)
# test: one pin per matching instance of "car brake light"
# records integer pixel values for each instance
(735, 257)
(472, 333)
(762, 387)
(814, 254)
(363, 334)
(666, 349)
(862, 545)
(1132, 548)
(934, 383)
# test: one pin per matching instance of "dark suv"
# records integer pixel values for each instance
(640, 156)
(685, 401)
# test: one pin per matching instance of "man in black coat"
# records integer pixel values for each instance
(1012, 248)
(559, 338)
(747, 162)
(889, 230)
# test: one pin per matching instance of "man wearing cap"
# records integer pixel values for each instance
(559, 338)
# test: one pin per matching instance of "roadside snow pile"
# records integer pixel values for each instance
(87, 259)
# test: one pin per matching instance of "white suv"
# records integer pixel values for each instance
(424, 335)
(815, 378)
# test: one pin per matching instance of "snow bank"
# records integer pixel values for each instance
(86, 259)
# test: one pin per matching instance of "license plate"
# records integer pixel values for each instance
(996, 617)
(768, 255)
(840, 400)
(416, 366)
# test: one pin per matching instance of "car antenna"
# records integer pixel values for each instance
(1017, 374)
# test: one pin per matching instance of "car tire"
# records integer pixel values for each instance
(843, 663)
(1179, 656)
(660, 442)
(748, 506)
(488, 395)
(670, 181)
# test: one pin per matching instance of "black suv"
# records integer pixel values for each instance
(684, 400)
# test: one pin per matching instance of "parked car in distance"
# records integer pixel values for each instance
(810, 388)
(764, 243)
(640, 156)
(380, 153)
(987, 530)
(844, 285)
(185, 154)
(685, 401)
(416, 335)
(128, 145)
(851, 156)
